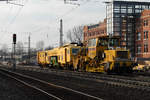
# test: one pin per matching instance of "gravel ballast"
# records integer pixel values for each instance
(12, 90)
(104, 91)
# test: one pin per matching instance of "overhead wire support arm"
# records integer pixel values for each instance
(67, 2)
(14, 3)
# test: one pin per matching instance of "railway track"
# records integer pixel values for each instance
(132, 77)
(114, 80)
(54, 92)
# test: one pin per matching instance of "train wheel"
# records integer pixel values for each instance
(129, 70)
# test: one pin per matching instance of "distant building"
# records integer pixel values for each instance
(143, 35)
(121, 18)
(93, 31)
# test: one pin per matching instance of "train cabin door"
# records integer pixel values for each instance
(65, 55)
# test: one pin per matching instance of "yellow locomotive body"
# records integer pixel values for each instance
(62, 57)
(41, 58)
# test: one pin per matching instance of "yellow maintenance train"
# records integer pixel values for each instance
(102, 54)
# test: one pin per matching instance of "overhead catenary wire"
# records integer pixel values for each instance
(43, 28)
(63, 15)
(12, 21)
(17, 14)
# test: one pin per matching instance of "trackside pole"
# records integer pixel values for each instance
(14, 53)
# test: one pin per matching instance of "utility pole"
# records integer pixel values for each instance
(29, 49)
(61, 33)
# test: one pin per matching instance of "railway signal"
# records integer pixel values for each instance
(14, 38)
(14, 53)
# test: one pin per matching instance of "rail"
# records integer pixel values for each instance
(59, 92)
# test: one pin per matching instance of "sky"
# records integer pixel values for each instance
(40, 19)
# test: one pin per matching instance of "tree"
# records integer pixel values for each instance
(75, 34)
(40, 45)
(19, 48)
(48, 48)
(4, 51)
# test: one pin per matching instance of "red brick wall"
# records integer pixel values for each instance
(145, 15)
(95, 32)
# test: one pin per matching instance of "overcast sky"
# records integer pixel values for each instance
(40, 19)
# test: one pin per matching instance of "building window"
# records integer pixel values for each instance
(145, 22)
(130, 11)
(145, 35)
(139, 48)
(123, 10)
(145, 47)
(125, 37)
(138, 36)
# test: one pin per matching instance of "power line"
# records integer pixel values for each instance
(15, 3)
(72, 3)
(14, 18)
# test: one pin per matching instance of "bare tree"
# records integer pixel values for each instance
(19, 48)
(40, 45)
(48, 48)
(75, 34)
(4, 51)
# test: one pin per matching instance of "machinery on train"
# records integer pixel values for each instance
(62, 57)
(102, 54)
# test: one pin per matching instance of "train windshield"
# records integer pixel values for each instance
(75, 51)
(122, 54)
(92, 42)
(114, 42)
(103, 42)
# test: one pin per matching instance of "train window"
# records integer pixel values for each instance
(92, 42)
(102, 42)
(68, 51)
(114, 42)
(45, 54)
(75, 51)
(59, 58)
(62, 57)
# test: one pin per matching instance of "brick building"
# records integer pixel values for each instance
(93, 31)
(142, 43)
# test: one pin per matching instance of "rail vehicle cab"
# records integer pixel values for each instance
(72, 52)
(41, 58)
(96, 46)
(106, 55)
(118, 60)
